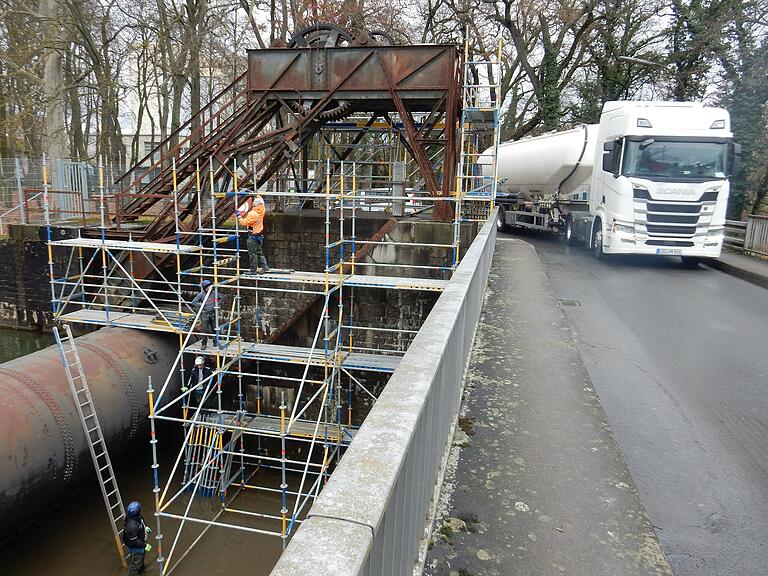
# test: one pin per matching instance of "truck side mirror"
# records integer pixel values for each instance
(608, 156)
(735, 158)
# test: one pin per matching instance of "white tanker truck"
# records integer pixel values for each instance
(650, 178)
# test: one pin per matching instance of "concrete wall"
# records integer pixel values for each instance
(25, 294)
(294, 240)
(373, 514)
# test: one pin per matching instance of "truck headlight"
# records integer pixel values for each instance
(623, 228)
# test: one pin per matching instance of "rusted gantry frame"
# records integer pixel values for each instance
(288, 95)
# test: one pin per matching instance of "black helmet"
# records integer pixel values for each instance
(133, 509)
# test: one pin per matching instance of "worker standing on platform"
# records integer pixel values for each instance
(200, 372)
(251, 216)
(135, 537)
(207, 316)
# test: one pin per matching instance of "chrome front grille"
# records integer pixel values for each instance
(674, 219)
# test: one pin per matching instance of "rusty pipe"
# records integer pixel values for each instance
(43, 452)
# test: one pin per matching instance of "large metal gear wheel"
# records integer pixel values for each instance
(381, 38)
(321, 36)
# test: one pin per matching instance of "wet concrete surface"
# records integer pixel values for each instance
(679, 358)
(535, 482)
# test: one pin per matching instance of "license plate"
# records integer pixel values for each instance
(669, 251)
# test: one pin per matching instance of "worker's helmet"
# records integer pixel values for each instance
(258, 200)
(205, 283)
(244, 208)
(199, 361)
(133, 509)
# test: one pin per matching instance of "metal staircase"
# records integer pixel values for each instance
(93, 434)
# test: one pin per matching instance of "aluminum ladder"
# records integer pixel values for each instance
(78, 385)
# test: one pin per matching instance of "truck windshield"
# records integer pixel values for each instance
(659, 159)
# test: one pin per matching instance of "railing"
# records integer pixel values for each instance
(756, 236)
(734, 234)
(375, 512)
(751, 237)
(65, 206)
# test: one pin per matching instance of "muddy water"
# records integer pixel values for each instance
(75, 539)
(15, 343)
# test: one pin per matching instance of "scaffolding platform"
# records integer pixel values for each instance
(119, 319)
(301, 429)
(270, 425)
(298, 355)
(356, 280)
(482, 119)
(126, 245)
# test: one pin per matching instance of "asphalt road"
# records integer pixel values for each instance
(679, 358)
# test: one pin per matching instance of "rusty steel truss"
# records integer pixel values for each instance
(270, 116)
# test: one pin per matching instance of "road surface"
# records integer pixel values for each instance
(679, 358)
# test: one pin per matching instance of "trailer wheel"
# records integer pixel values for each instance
(570, 237)
(597, 241)
(501, 222)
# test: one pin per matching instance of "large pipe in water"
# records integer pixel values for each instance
(43, 451)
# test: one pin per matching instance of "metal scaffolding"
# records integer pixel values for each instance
(477, 172)
(232, 444)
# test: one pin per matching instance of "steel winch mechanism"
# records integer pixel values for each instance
(319, 36)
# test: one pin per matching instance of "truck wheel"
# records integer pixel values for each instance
(597, 241)
(501, 223)
(570, 237)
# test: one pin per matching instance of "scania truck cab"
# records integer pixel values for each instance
(661, 186)
(650, 178)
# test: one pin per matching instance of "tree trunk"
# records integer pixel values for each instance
(53, 82)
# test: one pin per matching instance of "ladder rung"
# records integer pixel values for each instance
(91, 415)
(104, 467)
(110, 494)
(115, 506)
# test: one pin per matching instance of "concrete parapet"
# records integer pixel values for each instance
(385, 482)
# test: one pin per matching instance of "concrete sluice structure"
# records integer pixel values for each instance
(43, 454)
(350, 130)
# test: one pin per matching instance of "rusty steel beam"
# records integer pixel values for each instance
(314, 86)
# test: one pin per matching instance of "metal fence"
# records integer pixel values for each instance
(756, 236)
(751, 236)
(734, 234)
(374, 512)
(21, 183)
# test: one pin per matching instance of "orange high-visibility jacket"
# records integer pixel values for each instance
(254, 218)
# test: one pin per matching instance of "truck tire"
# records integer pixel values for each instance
(570, 237)
(501, 222)
(597, 241)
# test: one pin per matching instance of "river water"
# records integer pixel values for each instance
(75, 539)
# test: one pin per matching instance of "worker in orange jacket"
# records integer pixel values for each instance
(251, 216)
